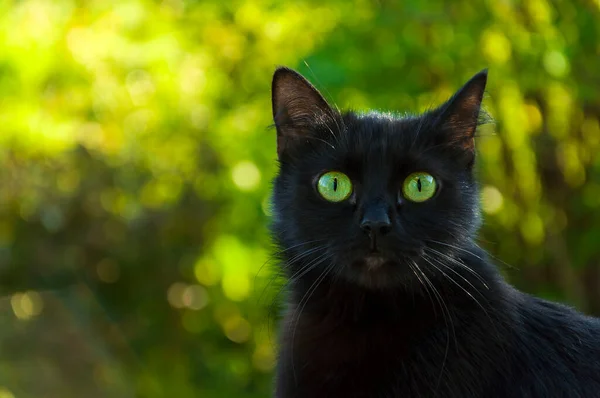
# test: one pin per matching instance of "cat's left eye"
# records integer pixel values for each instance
(334, 186)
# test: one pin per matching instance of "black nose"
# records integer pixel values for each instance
(376, 221)
(377, 227)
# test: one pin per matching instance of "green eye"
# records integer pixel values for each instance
(419, 187)
(334, 186)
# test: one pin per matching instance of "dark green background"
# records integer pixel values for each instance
(136, 159)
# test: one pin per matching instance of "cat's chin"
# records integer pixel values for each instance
(374, 262)
(375, 271)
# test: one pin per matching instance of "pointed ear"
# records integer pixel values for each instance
(298, 108)
(459, 117)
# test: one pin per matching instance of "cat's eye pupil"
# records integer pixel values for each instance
(335, 184)
(419, 186)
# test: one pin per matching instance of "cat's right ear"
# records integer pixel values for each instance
(298, 109)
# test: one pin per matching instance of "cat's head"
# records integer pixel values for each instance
(373, 197)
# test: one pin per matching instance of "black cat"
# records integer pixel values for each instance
(376, 217)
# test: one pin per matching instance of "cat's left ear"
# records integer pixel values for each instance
(458, 118)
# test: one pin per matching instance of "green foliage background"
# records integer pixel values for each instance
(135, 167)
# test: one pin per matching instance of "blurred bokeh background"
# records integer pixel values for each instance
(136, 159)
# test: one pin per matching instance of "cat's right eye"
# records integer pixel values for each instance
(419, 187)
(334, 186)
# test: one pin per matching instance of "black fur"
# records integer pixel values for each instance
(432, 317)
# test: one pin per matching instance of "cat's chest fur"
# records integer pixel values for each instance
(381, 349)
(344, 353)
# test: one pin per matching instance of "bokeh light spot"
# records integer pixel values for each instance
(237, 329)
(26, 305)
(556, 63)
(491, 199)
(263, 357)
(5, 393)
(496, 46)
(194, 297)
(236, 286)
(532, 229)
(246, 176)
(534, 117)
(175, 294)
(206, 272)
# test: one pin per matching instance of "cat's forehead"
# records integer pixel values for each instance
(387, 144)
(379, 133)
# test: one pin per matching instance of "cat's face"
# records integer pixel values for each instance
(372, 198)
